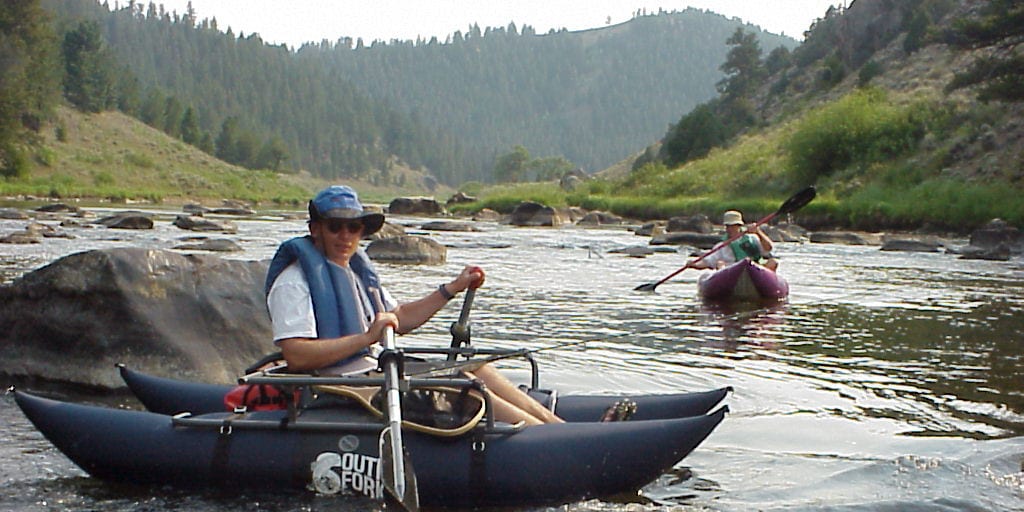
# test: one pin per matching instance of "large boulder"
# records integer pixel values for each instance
(196, 317)
(996, 233)
(408, 249)
(415, 206)
(529, 213)
(695, 224)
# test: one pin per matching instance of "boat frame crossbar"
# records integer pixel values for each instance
(461, 345)
(292, 382)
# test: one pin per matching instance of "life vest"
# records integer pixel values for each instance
(746, 246)
(330, 287)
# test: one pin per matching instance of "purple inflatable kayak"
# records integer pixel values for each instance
(743, 280)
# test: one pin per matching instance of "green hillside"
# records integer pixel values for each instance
(112, 156)
(869, 109)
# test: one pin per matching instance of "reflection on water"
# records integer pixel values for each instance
(747, 322)
(886, 380)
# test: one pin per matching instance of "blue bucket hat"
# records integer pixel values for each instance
(342, 202)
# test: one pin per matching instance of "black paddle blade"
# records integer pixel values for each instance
(409, 499)
(799, 200)
(647, 287)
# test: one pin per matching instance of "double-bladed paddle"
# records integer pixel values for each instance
(794, 203)
(395, 468)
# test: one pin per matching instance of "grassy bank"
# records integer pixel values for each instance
(109, 156)
(880, 161)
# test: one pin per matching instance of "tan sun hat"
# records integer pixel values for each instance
(732, 218)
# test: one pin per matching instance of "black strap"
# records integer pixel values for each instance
(221, 454)
(478, 465)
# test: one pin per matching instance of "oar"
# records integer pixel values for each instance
(799, 200)
(395, 467)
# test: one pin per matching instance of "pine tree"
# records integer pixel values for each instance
(29, 85)
(88, 70)
(190, 131)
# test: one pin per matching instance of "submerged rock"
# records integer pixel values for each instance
(906, 243)
(197, 223)
(839, 237)
(698, 240)
(12, 214)
(445, 225)
(127, 220)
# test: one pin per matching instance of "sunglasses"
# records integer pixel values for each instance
(336, 225)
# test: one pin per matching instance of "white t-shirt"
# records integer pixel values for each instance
(291, 305)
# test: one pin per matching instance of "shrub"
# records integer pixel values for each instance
(139, 160)
(103, 179)
(868, 71)
(13, 163)
(45, 156)
(861, 128)
(833, 71)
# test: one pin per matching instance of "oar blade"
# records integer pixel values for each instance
(798, 200)
(402, 492)
(647, 287)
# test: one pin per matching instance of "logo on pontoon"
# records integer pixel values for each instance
(347, 473)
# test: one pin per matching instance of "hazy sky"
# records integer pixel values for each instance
(297, 21)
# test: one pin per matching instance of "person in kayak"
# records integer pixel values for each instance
(320, 294)
(753, 244)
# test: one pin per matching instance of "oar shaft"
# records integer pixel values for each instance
(467, 304)
(460, 329)
(394, 404)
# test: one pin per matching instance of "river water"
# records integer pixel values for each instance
(887, 381)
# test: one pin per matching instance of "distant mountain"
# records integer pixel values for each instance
(592, 96)
(348, 110)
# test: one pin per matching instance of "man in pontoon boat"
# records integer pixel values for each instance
(754, 244)
(328, 309)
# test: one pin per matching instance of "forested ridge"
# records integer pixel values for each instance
(246, 94)
(593, 97)
(342, 109)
